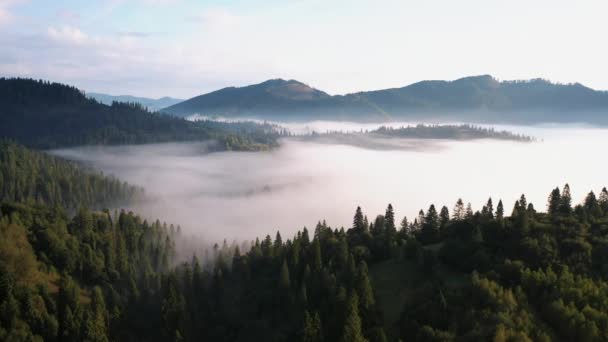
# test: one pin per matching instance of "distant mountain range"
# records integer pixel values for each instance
(477, 98)
(151, 104)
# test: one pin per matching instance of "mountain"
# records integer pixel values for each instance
(480, 98)
(151, 104)
(41, 114)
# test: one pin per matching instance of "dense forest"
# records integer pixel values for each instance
(48, 115)
(446, 275)
(416, 137)
(31, 176)
(452, 132)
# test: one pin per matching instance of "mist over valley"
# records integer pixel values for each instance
(243, 195)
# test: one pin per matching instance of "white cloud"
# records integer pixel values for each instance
(68, 34)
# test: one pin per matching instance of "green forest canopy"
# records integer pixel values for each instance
(48, 115)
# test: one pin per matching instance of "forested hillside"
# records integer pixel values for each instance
(36, 177)
(477, 98)
(443, 276)
(48, 115)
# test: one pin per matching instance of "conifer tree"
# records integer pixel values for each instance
(358, 224)
(603, 200)
(404, 226)
(459, 211)
(469, 211)
(565, 203)
(500, 210)
(352, 324)
(490, 208)
(389, 220)
(553, 203)
(96, 322)
(364, 287)
(444, 217)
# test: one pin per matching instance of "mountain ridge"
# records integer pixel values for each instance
(481, 97)
(150, 103)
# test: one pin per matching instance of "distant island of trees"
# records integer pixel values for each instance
(410, 137)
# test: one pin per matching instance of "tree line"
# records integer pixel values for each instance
(46, 115)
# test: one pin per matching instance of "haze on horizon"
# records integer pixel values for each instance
(183, 48)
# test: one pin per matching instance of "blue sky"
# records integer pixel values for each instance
(183, 48)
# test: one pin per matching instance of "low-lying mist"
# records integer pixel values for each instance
(243, 195)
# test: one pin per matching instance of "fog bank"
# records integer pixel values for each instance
(242, 195)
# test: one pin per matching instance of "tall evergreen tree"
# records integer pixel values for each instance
(553, 203)
(389, 220)
(444, 217)
(469, 211)
(603, 200)
(358, 225)
(459, 210)
(500, 210)
(490, 208)
(404, 225)
(352, 324)
(565, 203)
(364, 287)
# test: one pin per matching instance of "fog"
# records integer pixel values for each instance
(243, 195)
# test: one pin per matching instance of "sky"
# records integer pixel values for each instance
(183, 48)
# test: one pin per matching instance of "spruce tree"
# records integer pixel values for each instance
(500, 211)
(469, 212)
(553, 202)
(565, 203)
(389, 220)
(458, 212)
(490, 208)
(404, 226)
(603, 200)
(352, 324)
(358, 225)
(444, 217)
(364, 287)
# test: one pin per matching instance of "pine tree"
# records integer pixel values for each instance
(459, 212)
(523, 203)
(358, 225)
(364, 287)
(311, 330)
(352, 325)
(490, 208)
(96, 322)
(553, 202)
(603, 200)
(565, 203)
(592, 205)
(444, 217)
(389, 220)
(500, 210)
(469, 212)
(404, 226)
(421, 218)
